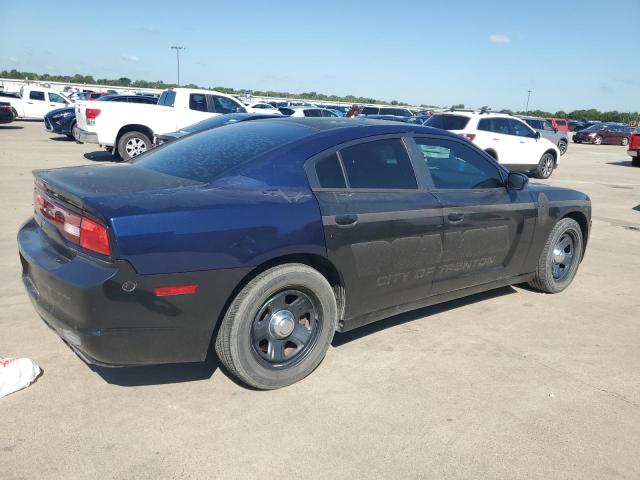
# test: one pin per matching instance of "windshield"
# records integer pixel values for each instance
(595, 127)
(207, 155)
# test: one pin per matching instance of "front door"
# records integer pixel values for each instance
(487, 229)
(383, 230)
(36, 106)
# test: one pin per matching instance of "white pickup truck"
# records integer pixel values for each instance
(35, 102)
(129, 128)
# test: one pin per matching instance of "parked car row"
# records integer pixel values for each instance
(507, 139)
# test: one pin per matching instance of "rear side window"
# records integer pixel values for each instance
(380, 164)
(314, 112)
(329, 172)
(168, 98)
(198, 101)
(207, 155)
(448, 122)
(537, 124)
(35, 95)
(370, 111)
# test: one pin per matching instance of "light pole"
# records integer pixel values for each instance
(526, 109)
(177, 49)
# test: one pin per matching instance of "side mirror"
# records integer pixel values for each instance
(537, 135)
(516, 181)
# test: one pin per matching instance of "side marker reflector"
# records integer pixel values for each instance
(176, 290)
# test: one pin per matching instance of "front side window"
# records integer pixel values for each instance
(547, 126)
(35, 95)
(520, 129)
(198, 102)
(453, 165)
(314, 112)
(224, 104)
(379, 164)
(537, 124)
(55, 98)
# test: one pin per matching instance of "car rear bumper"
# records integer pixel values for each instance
(87, 137)
(93, 307)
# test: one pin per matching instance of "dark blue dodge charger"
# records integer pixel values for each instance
(268, 236)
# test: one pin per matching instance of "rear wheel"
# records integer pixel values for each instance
(132, 144)
(635, 162)
(562, 146)
(560, 257)
(597, 140)
(278, 328)
(545, 166)
(624, 142)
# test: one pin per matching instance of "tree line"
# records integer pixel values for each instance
(585, 114)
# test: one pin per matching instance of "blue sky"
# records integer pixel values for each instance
(571, 54)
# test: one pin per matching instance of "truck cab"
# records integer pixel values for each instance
(35, 102)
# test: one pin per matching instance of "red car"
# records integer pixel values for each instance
(560, 124)
(634, 148)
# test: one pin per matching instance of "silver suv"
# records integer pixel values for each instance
(547, 131)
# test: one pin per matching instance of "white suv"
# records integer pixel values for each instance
(507, 139)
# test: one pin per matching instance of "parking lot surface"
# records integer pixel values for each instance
(507, 384)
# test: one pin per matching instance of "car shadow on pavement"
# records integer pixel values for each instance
(10, 127)
(158, 374)
(62, 138)
(342, 338)
(100, 156)
(623, 163)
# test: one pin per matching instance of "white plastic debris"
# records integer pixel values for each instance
(16, 374)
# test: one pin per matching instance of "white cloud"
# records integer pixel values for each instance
(130, 58)
(499, 38)
(13, 59)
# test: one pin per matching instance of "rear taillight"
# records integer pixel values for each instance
(72, 226)
(470, 136)
(91, 114)
(6, 108)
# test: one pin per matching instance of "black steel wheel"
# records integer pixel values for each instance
(278, 328)
(285, 328)
(560, 257)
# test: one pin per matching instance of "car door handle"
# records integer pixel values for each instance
(455, 217)
(496, 139)
(346, 220)
(30, 103)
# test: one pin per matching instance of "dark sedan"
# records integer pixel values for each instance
(267, 237)
(6, 113)
(604, 134)
(63, 120)
(213, 122)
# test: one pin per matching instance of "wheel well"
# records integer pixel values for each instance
(324, 266)
(581, 218)
(492, 152)
(134, 128)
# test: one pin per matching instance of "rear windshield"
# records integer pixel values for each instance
(448, 122)
(207, 155)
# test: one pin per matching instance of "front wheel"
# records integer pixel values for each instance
(562, 146)
(278, 328)
(132, 144)
(635, 162)
(560, 257)
(597, 140)
(624, 142)
(545, 166)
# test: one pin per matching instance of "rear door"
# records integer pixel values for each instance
(36, 105)
(487, 229)
(382, 226)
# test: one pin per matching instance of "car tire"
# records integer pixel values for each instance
(577, 141)
(74, 132)
(560, 257)
(562, 146)
(262, 322)
(597, 140)
(545, 166)
(635, 162)
(624, 142)
(132, 144)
